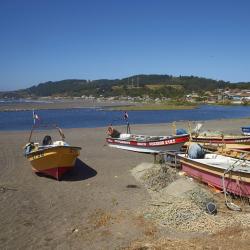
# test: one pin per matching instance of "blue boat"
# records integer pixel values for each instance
(245, 130)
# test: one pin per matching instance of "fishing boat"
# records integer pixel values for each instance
(228, 146)
(232, 175)
(234, 153)
(52, 158)
(245, 130)
(145, 143)
(218, 138)
(221, 139)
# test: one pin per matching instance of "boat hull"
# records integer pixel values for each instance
(56, 173)
(222, 140)
(153, 147)
(214, 147)
(54, 161)
(236, 183)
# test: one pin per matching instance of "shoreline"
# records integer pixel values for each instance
(65, 104)
(94, 205)
(241, 122)
(105, 104)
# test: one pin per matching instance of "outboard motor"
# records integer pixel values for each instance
(47, 140)
(28, 148)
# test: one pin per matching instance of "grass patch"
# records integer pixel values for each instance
(100, 218)
(159, 86)
(154, 86)
(155, 107)
(117, 87)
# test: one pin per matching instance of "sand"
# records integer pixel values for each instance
(99, 205)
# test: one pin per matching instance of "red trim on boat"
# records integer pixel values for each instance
(169, 141)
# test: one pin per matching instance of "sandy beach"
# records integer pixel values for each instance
(93, 207)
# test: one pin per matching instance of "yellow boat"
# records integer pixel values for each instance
(51, 158)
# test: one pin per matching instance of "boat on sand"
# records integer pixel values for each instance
(218, 138)
(52, 158)
(145, 143)
(232, 175)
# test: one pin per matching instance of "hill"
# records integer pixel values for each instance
(138, 85)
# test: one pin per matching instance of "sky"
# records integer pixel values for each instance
(50, 40)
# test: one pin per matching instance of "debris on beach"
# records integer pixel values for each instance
(159, 177)
(180, 203)
(200, 197)
(4, 188)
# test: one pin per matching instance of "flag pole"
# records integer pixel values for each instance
(128, 128)
(31, 133)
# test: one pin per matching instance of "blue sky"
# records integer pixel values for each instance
(43, 40)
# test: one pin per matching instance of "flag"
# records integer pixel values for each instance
(125, 115)
(35, 117)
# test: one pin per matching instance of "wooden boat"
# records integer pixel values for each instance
(223, 172)
(51, 158)
(221, 139)
(145, 143)
(218, 138)
(229, 146)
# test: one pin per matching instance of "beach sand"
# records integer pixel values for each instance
(92, 207)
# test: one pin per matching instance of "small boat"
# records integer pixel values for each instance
(228, 146)
(245, 130)
(145, 143)
(219, 138)
(234, 153)
(52, 158)
(232, 175)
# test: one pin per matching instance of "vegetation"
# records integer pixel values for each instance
(153, 86)
(163, 106)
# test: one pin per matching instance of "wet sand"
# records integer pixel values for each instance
(93, 206)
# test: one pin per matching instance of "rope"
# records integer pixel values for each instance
(230, 204)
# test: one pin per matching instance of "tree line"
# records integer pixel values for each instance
(139, 85)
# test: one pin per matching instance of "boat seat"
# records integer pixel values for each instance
(47, 140)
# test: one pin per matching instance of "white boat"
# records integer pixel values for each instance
(145, 143)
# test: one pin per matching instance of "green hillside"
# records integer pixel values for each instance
(138, 85)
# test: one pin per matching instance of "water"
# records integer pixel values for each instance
(23, 101)
(91, 118)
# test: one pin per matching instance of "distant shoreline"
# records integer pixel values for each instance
(27, 105)
(55, 104)
(111, 105)
(148, 107)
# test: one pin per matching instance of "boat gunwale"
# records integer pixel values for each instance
(46, 148)
(212, 168)
(162, 138)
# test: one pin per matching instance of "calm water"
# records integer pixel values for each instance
(90, 118)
